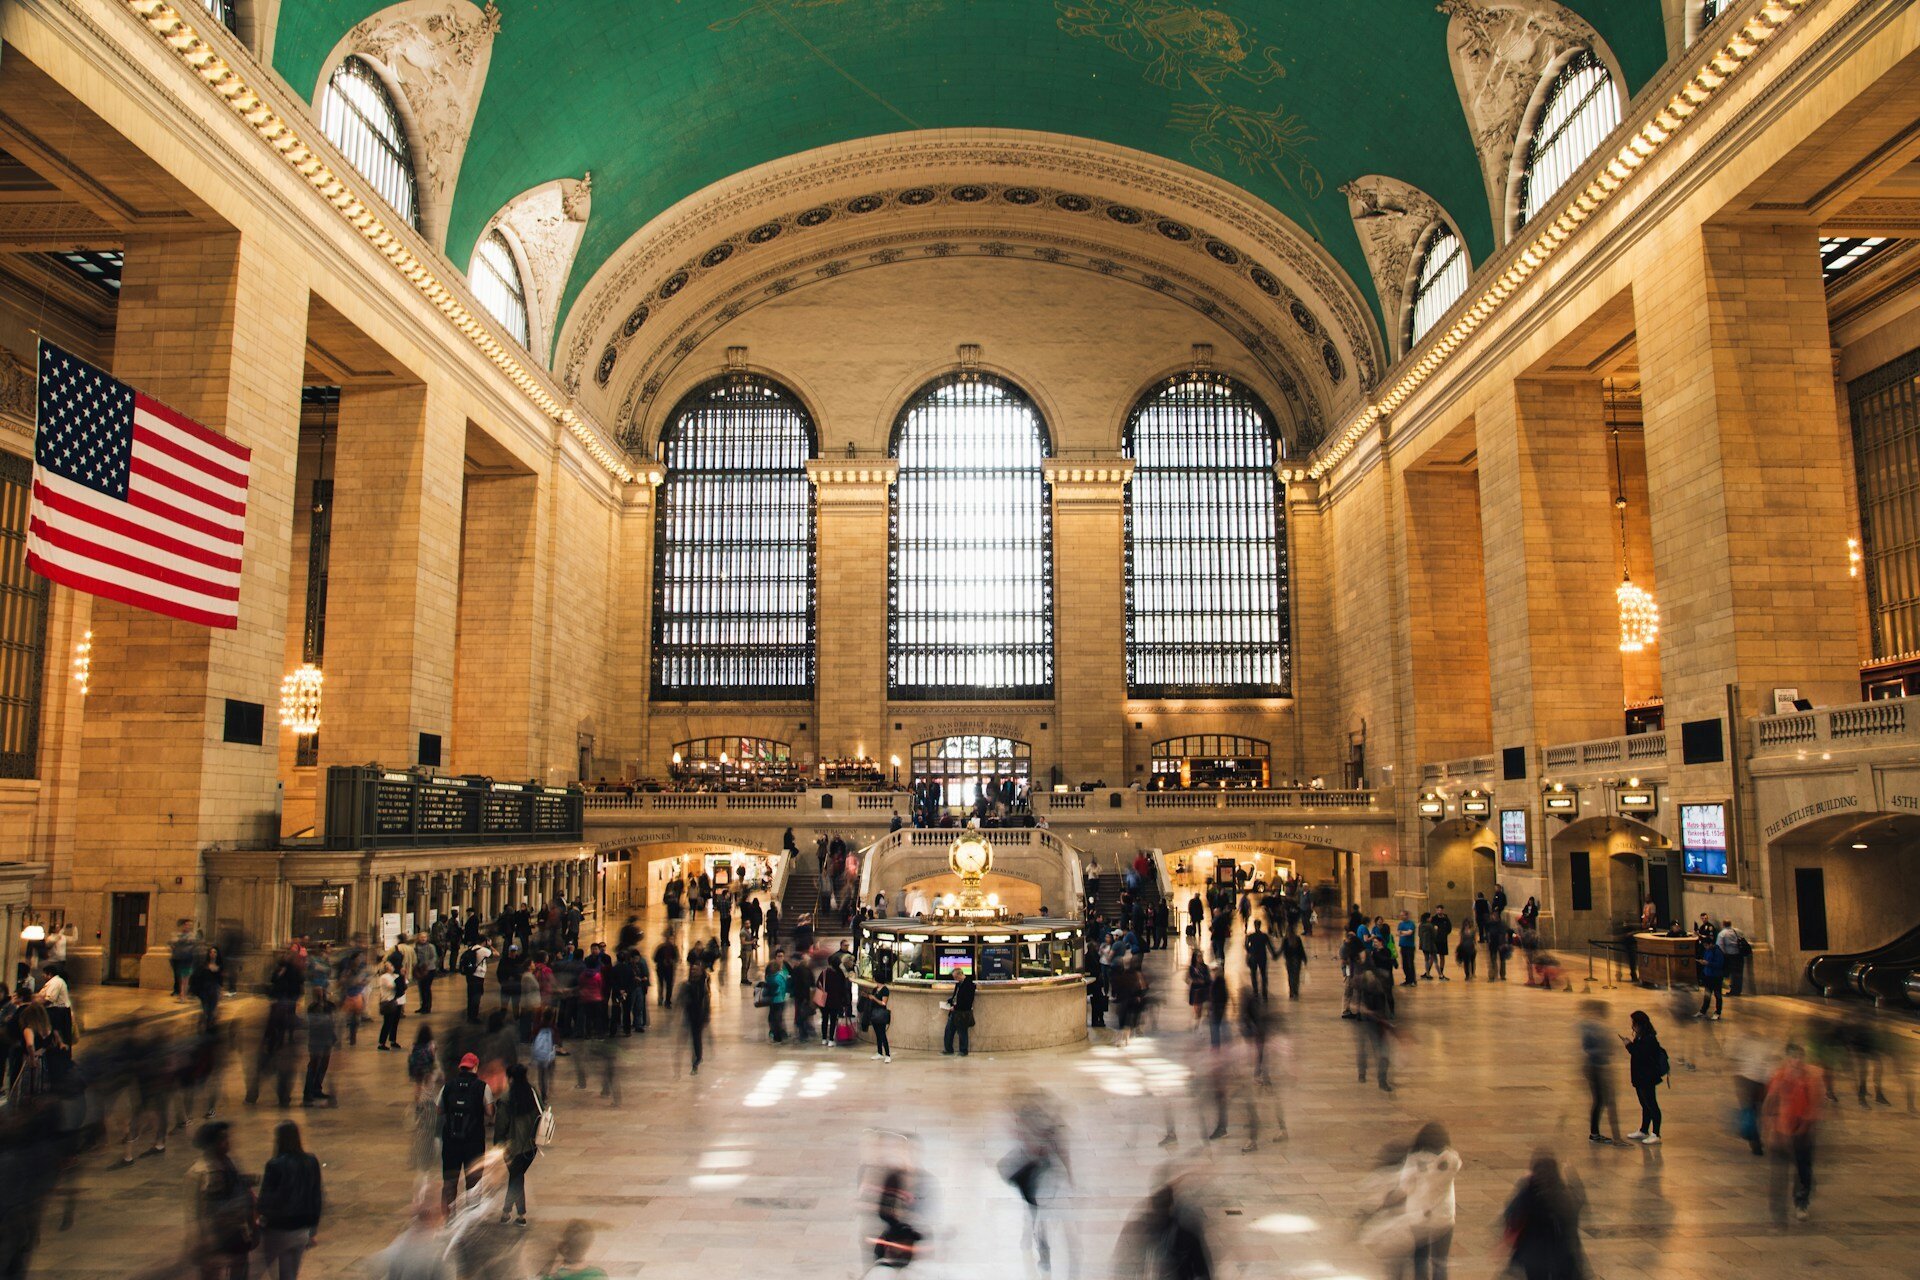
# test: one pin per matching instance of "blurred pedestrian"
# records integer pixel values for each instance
(696, 1009)
(1035, 1168)
(1293, 954)
(1792, 1115)
(1596, 1065)
(1417, 1217)
(569, 1257)
(291, 1202)
(391, 991)
(516, 1128)
(1542, 1224)
(323, 1034)
(1166, 1238)
(222, 1230)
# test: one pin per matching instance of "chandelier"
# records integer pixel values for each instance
(300, 701)
(1639, 612)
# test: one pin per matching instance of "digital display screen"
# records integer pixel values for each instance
(996, 964)
(954, 961)
(1703, 839)
(1513, 838)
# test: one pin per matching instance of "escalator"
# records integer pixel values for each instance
(1880, 972)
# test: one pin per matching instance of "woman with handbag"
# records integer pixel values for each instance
(516, 1127)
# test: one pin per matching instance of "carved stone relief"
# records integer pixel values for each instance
(1392, 218)
(436, 53)
(1501, 50)
(18, 389)
(546, 222)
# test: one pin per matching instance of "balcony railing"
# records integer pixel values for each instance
(1861, 724)
(1071, 804)
(1647, 750)
(1453, 770)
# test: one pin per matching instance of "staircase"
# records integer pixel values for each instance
(1113, 885)
(803, 890)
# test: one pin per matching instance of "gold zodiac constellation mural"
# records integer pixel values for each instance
(1184, 46)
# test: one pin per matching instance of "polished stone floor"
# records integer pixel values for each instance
(751, 1168)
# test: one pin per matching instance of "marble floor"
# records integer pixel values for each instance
(751, 1168)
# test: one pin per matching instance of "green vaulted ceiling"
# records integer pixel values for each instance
(659, 98)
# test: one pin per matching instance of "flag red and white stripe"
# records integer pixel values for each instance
(134, 501)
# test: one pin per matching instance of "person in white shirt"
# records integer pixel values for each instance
(58, 1000)
(390, 989)
(1732, 945)
(1422, 1222)
(473, 963)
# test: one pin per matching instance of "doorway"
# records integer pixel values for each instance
(126, 938)
(1626, 889)
(952, 774)
(1658, 890)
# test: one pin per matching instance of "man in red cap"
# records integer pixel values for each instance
(466, 1117)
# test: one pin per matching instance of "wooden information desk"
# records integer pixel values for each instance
(1665, 961)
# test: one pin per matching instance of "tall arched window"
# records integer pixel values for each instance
(970, 577)
(223, 10)
(358, 116)
(1580, 110)
(733, 545)
(1440, 281)
(1206, 545)
(1709, 10)
(495, 277)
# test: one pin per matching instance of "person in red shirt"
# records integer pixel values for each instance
(1791, 1114)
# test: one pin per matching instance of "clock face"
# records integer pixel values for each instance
(970, 857)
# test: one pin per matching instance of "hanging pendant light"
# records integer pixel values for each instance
(83, 663)
(1639, 612)
(300, 701)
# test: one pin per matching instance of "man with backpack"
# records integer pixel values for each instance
(466, 1117)
(473, 964)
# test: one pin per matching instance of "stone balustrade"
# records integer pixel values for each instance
(1860, 725)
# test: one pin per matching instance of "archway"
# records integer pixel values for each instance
(1020, 896)
(951, 773)
(1327, 870)
(1460, 866)
(1839, 885)
(1603, 869)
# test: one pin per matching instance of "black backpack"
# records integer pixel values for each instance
(469, 962)
(466, 1109)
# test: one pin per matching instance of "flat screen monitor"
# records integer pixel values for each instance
(954, 961)
(996, 964)
(1513, 838)
(1703, 839)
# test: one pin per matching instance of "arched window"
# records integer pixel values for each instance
(964, 766)
(223, 10)
(970, 577)
(1580, 110)
(495, 277)
(1709, 10)
(358, 116)
(733, 545)
(1212, 760)
(1206, 544)
(1441, 280)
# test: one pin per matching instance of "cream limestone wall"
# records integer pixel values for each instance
(1447, 607)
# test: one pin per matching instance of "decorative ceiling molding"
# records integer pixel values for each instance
(287, 129)
(1273, 348)
(1067, 177)
(1639, 139)
(1502, 51)
(435, 53)
(1392, 219)
(545, 224)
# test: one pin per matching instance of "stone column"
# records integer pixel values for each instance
(1747, 482)
(393, 574)
(1549, 544)
(1746, 473)
(633, 629)
(1447, 617)
(1312, 631)
(497, 727)
(851, 686)
(1090, 616)
(215, 327)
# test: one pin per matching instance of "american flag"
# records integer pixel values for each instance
(133, 501)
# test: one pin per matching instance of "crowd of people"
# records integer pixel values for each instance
(538, 987)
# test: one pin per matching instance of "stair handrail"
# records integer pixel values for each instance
(782, 864)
